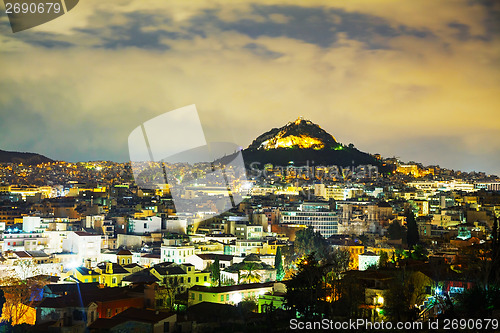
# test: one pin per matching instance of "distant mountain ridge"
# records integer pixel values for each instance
(22, 157)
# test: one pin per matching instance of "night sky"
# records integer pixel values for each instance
(419, 80)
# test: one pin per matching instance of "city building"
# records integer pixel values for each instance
(316, 215)
(85, 245)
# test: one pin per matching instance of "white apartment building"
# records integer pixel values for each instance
(176, 253)
(143, 226)
(84, 244)
(35, 224)
(54, 243)
(23, 241)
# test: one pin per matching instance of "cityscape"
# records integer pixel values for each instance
(84, 248)
(249, 166)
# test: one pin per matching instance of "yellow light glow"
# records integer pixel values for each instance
(290, 141)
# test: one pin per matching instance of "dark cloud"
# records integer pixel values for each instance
(262, 51)
(50, 43)
(462, 30)
(317, 25)
(133, 33)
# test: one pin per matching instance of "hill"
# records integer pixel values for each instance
(303, 142)
(22, 157)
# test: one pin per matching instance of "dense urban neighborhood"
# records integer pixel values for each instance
(85, 249)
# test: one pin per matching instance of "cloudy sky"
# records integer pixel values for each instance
(414, 79)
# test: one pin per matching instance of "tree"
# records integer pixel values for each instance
(2, 301)
(26, 268)
(384, 259)
(20, 295)
(214, 269)
(308, 241)
(278, 264)
(419, 253)
(304, 241)
(249, 304)
(3, 325)
(165, 296)
(250, 273)
(337, 262)
(412, 237)
(227, 281)
(352, 295)
(478, 302)
(493, 267)
(405, 290)
(481, 262)
(289, 258)
(306, 289)
(395, 231)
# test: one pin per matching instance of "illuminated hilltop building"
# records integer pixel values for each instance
(299, 134)
(414, 170)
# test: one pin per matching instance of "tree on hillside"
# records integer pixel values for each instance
(405, 290)
(383, 260)
(395, 231)
(306, 288)
(26, 268)
(289, 257)
(250, 273)
(419, 253)
(336, 263)
(278, 264)
(307, 241)
(478, 302)
(227, 281)
(481, 262)
(20, 295)
(412, 237)
(165, 295)
(214, 270)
